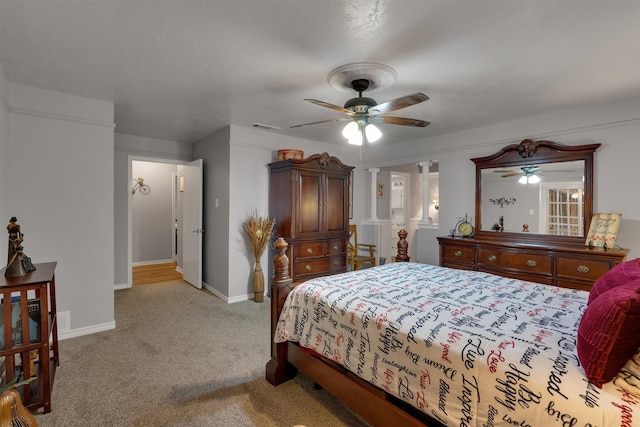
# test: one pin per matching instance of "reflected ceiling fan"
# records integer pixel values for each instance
(362, 112)
(525, 170)
(530, 174)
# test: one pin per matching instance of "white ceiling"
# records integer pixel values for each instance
(181, 70)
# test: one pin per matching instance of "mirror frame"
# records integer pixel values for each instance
(530, 152)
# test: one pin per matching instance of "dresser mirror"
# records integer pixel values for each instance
(535, 191)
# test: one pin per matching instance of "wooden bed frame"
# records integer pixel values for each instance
(373, 404)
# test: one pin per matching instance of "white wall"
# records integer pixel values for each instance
(61, 168)
(5, 173)
(615, 126)
(236, 173)
(215, 153)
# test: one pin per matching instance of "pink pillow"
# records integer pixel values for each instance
(618, 275)
(609, 332)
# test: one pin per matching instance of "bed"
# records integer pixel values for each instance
(416, 344)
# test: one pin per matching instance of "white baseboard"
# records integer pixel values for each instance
(64, 334)
(225, 298)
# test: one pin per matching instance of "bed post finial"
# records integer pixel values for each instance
(281, 261)
(403, 246)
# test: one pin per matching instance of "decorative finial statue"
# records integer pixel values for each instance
(18, 264)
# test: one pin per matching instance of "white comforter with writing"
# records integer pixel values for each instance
(466, 348)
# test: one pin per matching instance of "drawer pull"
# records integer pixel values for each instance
(492, 258)
(336, 247)
(582, 269)
(336, 262)
(531, 263)
(458, 253)
(307, 267)
(309, 250)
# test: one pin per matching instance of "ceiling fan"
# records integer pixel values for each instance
(529, 175)
(362, 112)
(525, 170)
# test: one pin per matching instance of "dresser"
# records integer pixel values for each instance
(569, 266)
(309, 200)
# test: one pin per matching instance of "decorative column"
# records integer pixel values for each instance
(425, 193)
(374, 198)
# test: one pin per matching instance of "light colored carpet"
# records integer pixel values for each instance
(180, 356)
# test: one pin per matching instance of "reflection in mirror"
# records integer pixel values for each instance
(544, 198)
(542, 193)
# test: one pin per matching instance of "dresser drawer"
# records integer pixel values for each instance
(307, 250)
(315, 266)
(581, 268)
(457, 254)
(336, 246)
(320, 267)
(338, 262)
(528, 262)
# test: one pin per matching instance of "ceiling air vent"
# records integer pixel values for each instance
(262, 126)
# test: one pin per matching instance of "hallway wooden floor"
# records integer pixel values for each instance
(154, 273)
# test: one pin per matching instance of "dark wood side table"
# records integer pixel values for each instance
(32, 352)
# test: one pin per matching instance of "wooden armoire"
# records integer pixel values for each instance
(309, 200)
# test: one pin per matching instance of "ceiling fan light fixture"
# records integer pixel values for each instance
(372, 132)
(529, 179)
(350, 130)
(356, 139)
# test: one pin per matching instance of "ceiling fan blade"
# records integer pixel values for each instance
(403, 121)
(343, 119)
(398, 103)
(510, 174)
(332, 106)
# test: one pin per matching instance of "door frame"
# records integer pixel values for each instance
(130, 159)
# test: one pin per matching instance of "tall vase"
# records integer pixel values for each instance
(12, 412)
(258, 282)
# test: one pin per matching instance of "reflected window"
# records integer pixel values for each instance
(563, 216)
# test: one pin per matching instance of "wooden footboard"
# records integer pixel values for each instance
(374, 405)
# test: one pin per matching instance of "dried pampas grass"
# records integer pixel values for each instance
(259, 231)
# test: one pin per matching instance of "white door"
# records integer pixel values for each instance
(192, 224)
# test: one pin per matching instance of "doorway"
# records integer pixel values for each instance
(154, 215)
(400, 207)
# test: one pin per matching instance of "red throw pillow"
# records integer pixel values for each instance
(609, 332)
(618, 275)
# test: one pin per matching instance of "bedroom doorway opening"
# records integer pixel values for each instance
(156, 215)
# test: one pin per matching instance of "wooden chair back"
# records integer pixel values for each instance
(354, 258)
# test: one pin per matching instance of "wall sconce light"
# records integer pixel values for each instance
(436, 205)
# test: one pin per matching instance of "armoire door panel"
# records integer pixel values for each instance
(310, 208)
(336, 201)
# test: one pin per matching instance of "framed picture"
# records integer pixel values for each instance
(603, 230)
(380, 190)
